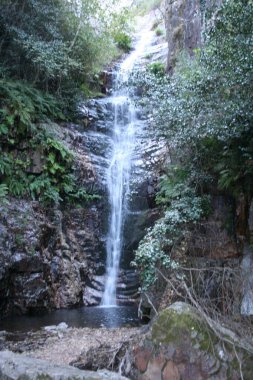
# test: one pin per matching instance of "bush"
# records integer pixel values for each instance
(158, 32)
(157, 68)
(22, 111)
(123, 41)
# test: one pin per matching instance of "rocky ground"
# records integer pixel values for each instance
(63, 346)
(179, 344)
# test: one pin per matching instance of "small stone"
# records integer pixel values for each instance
(142, 357)
(50, 328)
(170, 372)
(62, 326)
(154, 370)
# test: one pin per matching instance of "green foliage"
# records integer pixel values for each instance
(157, 68)
(3, 194)
(182, 208)
(55, 45)
(205, 113)
(123, 41)
(143, 7)
(121, 29)
(172, 185)
(22, 109)
(155, 250)
(49, 51)
(158, 32)
(205, 110)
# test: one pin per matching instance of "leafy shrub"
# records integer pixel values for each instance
(158, 32)
(205, 114)
(3, 194)
(22, 109)
(54, 45)
(154, 250)
(182, 207)
(157, 68)
(123, 41)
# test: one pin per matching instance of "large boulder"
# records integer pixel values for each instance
(180, 345)
(16, 366)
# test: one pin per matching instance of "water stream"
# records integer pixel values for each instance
(125, 132)
(118, 174)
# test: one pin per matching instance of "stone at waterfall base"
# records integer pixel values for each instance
(16, 366)
(180, 345)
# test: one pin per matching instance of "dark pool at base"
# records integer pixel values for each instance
(120, 316)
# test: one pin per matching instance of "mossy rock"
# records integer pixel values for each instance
(181, 341)
(180, 322)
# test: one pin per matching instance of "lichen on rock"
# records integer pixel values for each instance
(180, 345)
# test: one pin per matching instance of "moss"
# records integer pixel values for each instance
(174, 327)
(184, 329)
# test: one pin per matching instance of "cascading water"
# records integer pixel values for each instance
(118, 174)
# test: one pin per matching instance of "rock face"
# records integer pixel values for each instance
(55, 258)
(215, 238)
(15, 366)
(147, 159)
(181, 346)
(185, 22)
(48, 255)
(45, 258)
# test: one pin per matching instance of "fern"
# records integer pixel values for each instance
(3, 190)
(3, 194)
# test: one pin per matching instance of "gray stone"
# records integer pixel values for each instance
(62, 326)
(16, 367)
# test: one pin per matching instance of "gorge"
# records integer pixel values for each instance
(126, 189)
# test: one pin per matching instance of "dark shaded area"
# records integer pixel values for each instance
(82, 317)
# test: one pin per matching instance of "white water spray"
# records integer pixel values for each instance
(118, 174)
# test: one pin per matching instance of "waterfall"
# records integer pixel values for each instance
(118, 174)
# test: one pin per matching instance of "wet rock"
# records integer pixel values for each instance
(44, 259)
(92, 297)
(106, 78)
(15, 366)
(23, 263)
(50, 258)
